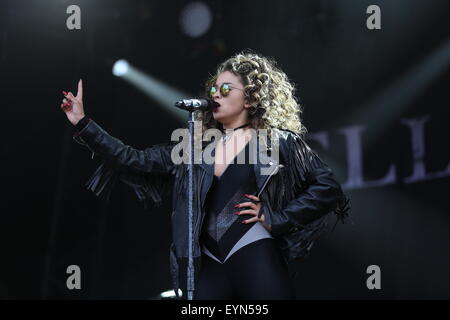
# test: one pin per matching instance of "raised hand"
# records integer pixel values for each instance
(73, 105)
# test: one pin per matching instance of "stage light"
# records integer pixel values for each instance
(120, 68)
(164, 94)
(170, 294)
(195, 19)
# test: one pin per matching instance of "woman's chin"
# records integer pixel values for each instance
(217, 116)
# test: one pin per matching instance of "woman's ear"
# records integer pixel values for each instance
(247, 103)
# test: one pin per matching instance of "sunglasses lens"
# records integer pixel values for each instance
(225, 89)
(212, 90)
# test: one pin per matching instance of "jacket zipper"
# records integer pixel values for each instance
(267, 179)
(294, 228)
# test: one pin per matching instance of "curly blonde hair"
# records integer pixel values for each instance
(266, 87)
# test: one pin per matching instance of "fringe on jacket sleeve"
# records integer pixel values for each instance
(149, 188)
(301, 197)
(307, 163)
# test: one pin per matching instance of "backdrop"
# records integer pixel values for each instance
(374, 84)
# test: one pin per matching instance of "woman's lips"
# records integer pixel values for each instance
(216, 107)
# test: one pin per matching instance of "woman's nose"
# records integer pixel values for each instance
(216, 95)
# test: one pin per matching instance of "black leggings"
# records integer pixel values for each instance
(254, 272)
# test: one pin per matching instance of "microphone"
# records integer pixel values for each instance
(196, 104)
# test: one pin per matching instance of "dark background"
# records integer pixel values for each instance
(347, 77)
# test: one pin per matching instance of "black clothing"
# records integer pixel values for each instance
(298, 190)
(222, 228)
(255, 272)
(250, 270)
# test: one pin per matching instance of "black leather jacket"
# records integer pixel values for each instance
(297, 195)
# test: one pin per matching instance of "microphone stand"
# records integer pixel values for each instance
(192, 106)
(190, 268)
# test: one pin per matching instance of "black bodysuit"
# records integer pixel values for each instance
(239, 261)
(223, 233)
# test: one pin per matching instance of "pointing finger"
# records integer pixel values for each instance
(80, 90)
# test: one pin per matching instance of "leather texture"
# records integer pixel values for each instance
(297, 197)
